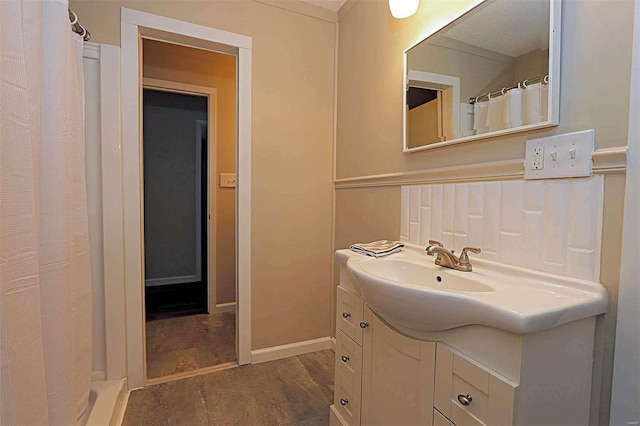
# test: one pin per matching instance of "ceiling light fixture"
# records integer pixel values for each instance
(403, 8)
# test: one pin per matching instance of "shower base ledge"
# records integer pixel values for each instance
(107, 402)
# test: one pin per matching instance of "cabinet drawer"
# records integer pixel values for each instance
(469, 394)
(349, 314)
(346, 402)
(477, 408)
(348, 361)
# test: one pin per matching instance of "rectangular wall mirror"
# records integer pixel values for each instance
(494, 70)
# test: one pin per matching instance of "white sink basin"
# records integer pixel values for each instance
(407, 289)
(418, 274)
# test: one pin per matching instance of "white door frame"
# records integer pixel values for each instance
(134, 25)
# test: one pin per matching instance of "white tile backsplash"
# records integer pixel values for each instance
(549, 225)
(436, 211)
(414, 204)
(491, 220)
(404, 220)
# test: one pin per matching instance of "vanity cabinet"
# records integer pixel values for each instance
(381, 376)
(499, 346)
(390, 378)
(457, 377)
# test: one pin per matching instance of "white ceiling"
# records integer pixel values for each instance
(526, 22)
(510, 27)
(334, 5)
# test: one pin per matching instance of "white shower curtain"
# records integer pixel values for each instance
(535, 104)
(515, 108)
(45, 281)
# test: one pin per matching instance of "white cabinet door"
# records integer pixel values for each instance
(397, 376)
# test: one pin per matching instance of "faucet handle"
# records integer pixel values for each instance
(464, 257)
(433, 243)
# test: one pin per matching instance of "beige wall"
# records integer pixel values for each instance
(364, 215)
(532, 64)
(292, 119)
(171, 62)
(594, 95)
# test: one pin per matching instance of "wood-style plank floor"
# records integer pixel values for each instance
(176, 345)
(290, 391)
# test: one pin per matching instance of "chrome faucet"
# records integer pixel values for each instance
(447, 259)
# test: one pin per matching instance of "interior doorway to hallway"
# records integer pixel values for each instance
(176, 209)
(189, 122)
(136, 26)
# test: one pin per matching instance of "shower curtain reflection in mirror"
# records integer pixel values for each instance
(521, 105)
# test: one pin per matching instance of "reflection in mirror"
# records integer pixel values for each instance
(490, 72)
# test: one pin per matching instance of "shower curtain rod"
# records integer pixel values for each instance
(540, 79)
(77, 28)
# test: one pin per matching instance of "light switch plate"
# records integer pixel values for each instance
(227, 180)
(560, 156)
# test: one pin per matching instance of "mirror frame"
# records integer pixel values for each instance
(554, 82)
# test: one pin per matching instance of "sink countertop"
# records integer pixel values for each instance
(518, 300)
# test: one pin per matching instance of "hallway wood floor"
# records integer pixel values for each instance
(290, 391)
(176, 345)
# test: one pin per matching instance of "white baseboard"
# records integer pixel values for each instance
(292, 349)
(224, 307)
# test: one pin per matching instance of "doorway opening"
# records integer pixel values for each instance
(188, 132)
(136, 26)
(175, 203)
(425, 118)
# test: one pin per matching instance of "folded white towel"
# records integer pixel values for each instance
(378, 248)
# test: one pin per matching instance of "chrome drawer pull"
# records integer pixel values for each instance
(465, 399)
(343, 401)
(346, 314)
(345, 358)
(364, 324)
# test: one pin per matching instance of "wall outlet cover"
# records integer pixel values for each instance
(560, 156)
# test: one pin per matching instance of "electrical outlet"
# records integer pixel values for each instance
(537, 162)
(560, 156)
